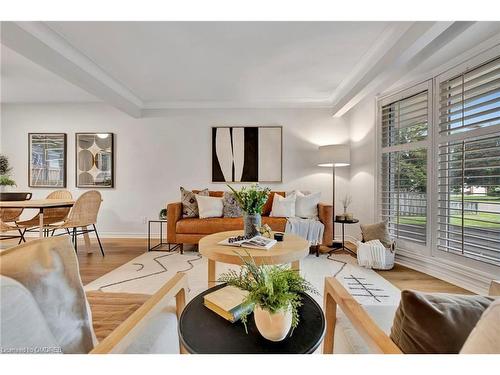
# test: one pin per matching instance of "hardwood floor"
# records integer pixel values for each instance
(121, 250)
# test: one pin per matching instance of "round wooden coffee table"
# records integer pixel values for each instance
(291, 250)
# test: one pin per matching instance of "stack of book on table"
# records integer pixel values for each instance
(228, 303)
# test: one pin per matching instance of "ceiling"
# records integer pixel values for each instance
(23, 81)
(146, 66)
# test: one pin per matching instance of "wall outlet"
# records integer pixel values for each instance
(144, 219)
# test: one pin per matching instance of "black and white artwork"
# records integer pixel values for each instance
(247, 154)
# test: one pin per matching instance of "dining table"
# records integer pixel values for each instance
(40, 204)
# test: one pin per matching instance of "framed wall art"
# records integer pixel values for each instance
(47, 160)
(247, 154)
(94, 160)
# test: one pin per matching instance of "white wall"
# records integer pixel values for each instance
(361, 121)
(154, 156)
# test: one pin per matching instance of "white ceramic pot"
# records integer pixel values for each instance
(273, 327)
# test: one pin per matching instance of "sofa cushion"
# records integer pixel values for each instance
(231, 207)
(268, 206)
(209, 206)
(435, 323)
(216, 224)
(485, 337)
(283, 207)
(189, 203)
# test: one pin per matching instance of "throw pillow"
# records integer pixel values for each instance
(283, 207)
(435, 323)
(306, 205)
(378, 231)
(485, 337)
(231, 207)
(189, 204)
(209, 206)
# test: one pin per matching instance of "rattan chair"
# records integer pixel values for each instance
(50, 215)
(9, 215)
(82, 215)
(6, 227)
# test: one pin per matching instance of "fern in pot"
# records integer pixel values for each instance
(274, 291)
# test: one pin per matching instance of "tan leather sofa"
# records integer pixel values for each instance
(191, 230)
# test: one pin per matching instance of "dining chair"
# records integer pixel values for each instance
(7, 227)
(50, 215)
(9, 215)
(82, 215)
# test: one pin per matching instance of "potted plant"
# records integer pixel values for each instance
(5, 169)
(251, 200)
(275, 294)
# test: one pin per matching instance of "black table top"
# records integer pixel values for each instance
(204, 332)
(353, 221)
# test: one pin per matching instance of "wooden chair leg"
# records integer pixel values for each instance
(331, 318)
(98, 239)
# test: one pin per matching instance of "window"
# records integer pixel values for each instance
(403, 191)
(468, 175)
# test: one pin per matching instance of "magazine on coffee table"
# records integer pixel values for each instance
(257, 242)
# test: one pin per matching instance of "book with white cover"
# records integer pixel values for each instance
(257, 242)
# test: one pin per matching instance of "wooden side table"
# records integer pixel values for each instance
(291, 250)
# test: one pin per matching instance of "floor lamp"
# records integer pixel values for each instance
(333, 156)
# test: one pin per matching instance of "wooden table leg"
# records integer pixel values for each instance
(211, 273)
(296, 265)
(86, 238)
(331, 318)
(40, 223)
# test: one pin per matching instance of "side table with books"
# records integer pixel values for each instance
(203, 331)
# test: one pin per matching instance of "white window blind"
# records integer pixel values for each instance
(470, 100)
(403, 189)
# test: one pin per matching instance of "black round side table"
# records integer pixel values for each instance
(202, 331)
(343, 222)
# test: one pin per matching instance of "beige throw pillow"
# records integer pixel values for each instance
(378, 231)
(485, 337)
(189, 203)
(209, 206)
(48, 268)
(283, 207)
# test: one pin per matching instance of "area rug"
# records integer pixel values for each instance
(149, 271)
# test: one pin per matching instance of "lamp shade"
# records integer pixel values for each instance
(334, 155)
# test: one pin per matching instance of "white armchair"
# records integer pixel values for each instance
(44, 308)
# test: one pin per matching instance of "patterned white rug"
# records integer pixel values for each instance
(149, 271)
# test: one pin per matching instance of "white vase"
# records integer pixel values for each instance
(273, 326)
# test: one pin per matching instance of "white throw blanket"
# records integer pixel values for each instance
(373, 254)
(310, 229)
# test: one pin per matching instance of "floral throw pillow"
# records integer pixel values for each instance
(189, 204)
(231, 208)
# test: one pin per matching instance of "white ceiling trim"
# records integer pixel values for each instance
(42, 45)
(296, 103)
(416, 44)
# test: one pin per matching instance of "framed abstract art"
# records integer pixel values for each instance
(247, 154)
(47, 160)
(94, 160)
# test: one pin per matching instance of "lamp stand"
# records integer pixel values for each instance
(334, 244)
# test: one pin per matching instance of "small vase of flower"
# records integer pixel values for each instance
(251, 201)
(274, 291)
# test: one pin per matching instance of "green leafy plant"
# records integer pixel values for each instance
(251, 199)
(5, 169)
(272, 287)
(6, 181)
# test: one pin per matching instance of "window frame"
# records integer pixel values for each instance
(438, 139)
(468, 266)
(381, 102)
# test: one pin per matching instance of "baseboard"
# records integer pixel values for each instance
(465, 277)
